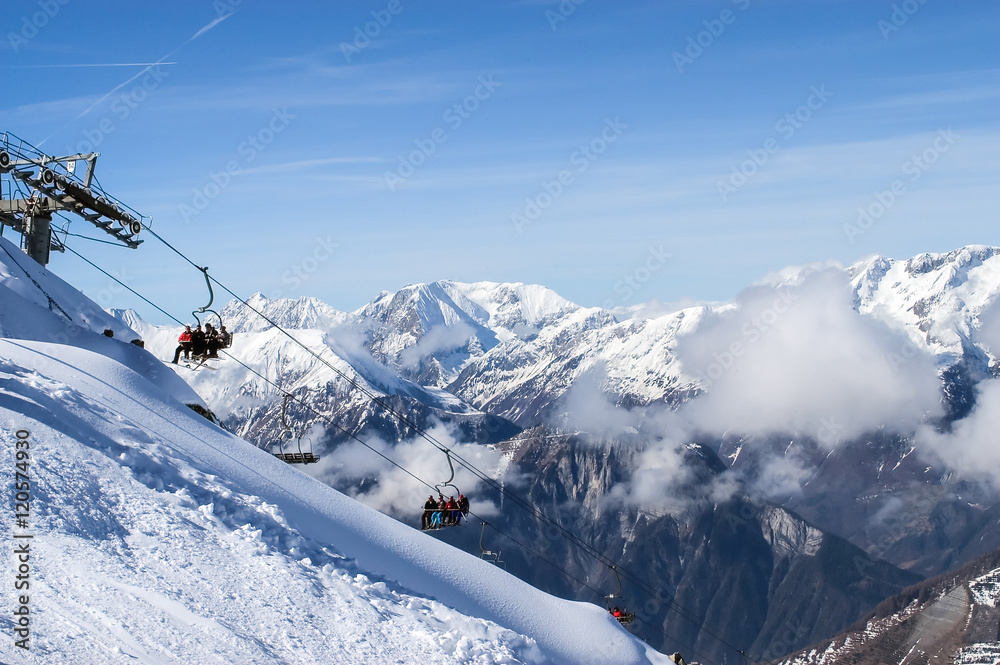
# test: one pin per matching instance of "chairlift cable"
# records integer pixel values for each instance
(133, 291)
(586, 547)
(51, 300)
(521, 545)
(528, 507)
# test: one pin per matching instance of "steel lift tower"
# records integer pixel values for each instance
(34, 186)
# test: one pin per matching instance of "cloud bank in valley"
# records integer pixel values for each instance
(970, 447)
(376, 482)
(788, 358)
(793, 358)
(797, 358)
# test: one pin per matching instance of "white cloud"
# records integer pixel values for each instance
(659, 474)
(799, 359)
(989, 327)
(394, 491)
(971, 446)
(437, 339)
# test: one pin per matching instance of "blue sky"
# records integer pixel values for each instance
(615, 152)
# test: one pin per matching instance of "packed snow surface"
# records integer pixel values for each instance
(157, 537)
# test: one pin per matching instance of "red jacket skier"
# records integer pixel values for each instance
(184, 344)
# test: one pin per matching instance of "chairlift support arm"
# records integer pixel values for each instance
(617, 594)
(41, 185)
(211, 299)
(451, 468)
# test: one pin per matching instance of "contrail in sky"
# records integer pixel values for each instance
(211, 24)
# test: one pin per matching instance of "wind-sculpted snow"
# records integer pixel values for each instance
(158, 537)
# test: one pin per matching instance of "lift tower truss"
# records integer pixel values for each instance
(34, 186)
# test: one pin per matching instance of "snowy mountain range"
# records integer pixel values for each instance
(515, 351)
(856, 399)
(144, 532)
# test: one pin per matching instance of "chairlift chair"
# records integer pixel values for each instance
(448, 483)
(488, 555)
(626, 617)
(207, 309)
(440, 487)
(292, 457)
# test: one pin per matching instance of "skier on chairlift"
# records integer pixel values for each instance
(197, 342)
(451, 512)
(183, 344)
(429, 507)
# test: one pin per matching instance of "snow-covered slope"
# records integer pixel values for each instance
(157, 537)
(36, 305)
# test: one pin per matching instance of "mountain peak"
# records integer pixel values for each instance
(294, 313)
(962, 258)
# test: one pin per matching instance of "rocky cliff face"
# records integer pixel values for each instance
(706, 578)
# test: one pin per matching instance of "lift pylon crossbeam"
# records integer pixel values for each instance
(40, 185)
